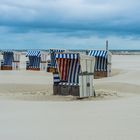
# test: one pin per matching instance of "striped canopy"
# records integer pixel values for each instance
(34, 62)
(8, 57)
(68, 55)
(101, 59)
(68, 65)
(52, 55)
(98, 53)
(35, 53)
(34, 58)
(56, 50)
(7, 51)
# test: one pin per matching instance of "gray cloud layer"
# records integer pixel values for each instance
(72, 16)
(71, 23)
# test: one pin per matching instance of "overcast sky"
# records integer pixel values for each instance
(75, 24)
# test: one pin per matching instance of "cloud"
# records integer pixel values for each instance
(69, 22)
(99, 16)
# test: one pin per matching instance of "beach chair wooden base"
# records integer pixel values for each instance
(100, 74)
(66, 90)
(34, 69)
(74, 90)
(52, 70)
(6, 67)
(56, 89)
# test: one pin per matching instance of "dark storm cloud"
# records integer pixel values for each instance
(99, 17)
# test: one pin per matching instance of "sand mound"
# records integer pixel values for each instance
(6, 89)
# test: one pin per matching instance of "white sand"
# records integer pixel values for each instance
(116, 118)
(127, 79)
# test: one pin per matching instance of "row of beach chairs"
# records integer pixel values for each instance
(38, 60)
(73, 72)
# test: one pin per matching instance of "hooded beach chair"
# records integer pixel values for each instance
(11, 60)
(103, 62)
(37, 60)
(75, 75)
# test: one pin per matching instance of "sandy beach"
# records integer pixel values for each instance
(30, 111)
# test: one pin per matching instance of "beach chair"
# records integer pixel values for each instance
(102, 64)
(11, 60)
(75, 75)
(37, 60)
